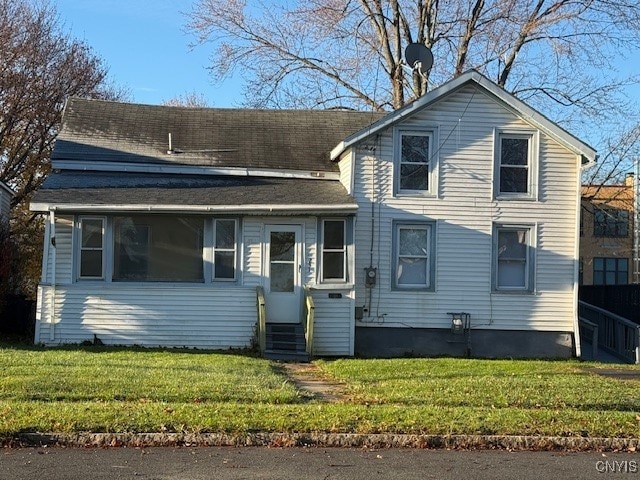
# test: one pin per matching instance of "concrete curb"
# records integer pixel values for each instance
(333, 440)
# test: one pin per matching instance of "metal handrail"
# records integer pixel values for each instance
(616, 334)
(310, 320)
(262, 319)
(587, 325)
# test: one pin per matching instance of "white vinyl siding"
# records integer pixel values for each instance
(333, 333)
(199, 315)
(64, 263)
(193, 316)
(465, 210)
(346, 166)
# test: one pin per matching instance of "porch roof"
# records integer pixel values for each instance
(71, 190)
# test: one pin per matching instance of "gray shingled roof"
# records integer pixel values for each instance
(115, 188)
(96, 130)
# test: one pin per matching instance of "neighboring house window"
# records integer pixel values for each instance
(515, 164)
(158, 249)
(610, 222)
(91, 262)
(513, 258)
(224, 249)
(413, 255)
(610, 271)
(334, 251)
(414, 161)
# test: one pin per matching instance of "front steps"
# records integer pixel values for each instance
(285, 341)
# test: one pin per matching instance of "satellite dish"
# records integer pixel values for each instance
(419, 56)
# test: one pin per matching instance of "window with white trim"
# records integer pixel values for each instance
(414, 161)
(513, 258)
(224, 249)
(515, 164)
(91, 258)
(414, 259)
(333, 251)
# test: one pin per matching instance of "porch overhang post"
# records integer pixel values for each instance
(52, 241)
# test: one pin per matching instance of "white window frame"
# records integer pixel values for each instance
(529, 274)
(80, 248)
(533, 137)
(430, 227)
(215, 249)
(432, 165)
(342, 250)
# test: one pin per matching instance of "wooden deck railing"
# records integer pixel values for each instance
(262, 319)
(615, 334)
(309, 308)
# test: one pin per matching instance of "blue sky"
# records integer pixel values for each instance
(144, 45)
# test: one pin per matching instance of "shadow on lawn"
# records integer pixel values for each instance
(16, 342)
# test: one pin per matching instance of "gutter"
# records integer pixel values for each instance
(237, 209)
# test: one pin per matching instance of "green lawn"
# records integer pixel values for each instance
(126, 390)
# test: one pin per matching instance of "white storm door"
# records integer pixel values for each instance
(283, 272)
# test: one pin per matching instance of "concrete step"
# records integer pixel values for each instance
(286, 355)
(287, 339)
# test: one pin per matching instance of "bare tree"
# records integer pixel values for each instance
(189, 100)
(328, 53)
(40, 67)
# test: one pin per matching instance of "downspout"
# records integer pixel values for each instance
(576, 261)
(52, 313)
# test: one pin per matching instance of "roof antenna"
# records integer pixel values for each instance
(419, 58)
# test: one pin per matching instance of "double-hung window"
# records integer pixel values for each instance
(415, 161)
(91, 258)
(513, 258)
(334, 251)
(224, 249)
(414, 261)
(516, 158)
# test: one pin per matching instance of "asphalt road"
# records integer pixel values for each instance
(308, 463)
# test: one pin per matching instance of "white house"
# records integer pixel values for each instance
(447, 227)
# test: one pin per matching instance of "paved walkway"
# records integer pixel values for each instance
(310, 379)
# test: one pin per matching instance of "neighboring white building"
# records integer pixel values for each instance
(459, 210)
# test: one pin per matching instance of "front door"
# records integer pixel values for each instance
(283, 273)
